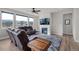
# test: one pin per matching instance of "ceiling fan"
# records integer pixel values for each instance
(34, 10)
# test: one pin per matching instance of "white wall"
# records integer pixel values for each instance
(36, 23)
(76, 24)
(3, 34)
(57, 21)
(57, 27)
(44, 14)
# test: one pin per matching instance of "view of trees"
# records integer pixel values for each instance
(7, 23)
(21, 23)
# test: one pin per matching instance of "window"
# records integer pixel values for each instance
(21, 21)
(7, 20)
(31, 21)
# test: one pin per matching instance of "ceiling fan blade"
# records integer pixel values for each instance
(38, 11)
(35, 11)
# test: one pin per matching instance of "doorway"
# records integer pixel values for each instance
(67, 24)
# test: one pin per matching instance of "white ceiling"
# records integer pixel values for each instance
(42, 10)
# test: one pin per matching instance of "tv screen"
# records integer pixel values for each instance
(44, 21)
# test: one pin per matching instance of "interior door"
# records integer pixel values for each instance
(67, 24)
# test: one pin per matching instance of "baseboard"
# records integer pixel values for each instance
(68, 34)
(4, 38)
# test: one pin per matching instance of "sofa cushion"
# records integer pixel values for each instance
(31, 32)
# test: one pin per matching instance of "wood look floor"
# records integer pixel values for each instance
(6, 45)
(73, 46)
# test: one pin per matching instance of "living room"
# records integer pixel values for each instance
(49, 23)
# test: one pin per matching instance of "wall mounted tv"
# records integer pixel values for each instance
(45, 21)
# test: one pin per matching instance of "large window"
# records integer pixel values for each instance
(31, 21)
(7, 20)
(21, 21)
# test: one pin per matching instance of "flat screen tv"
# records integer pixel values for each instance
(44, 21)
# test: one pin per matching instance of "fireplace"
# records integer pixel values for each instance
(44, 30)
